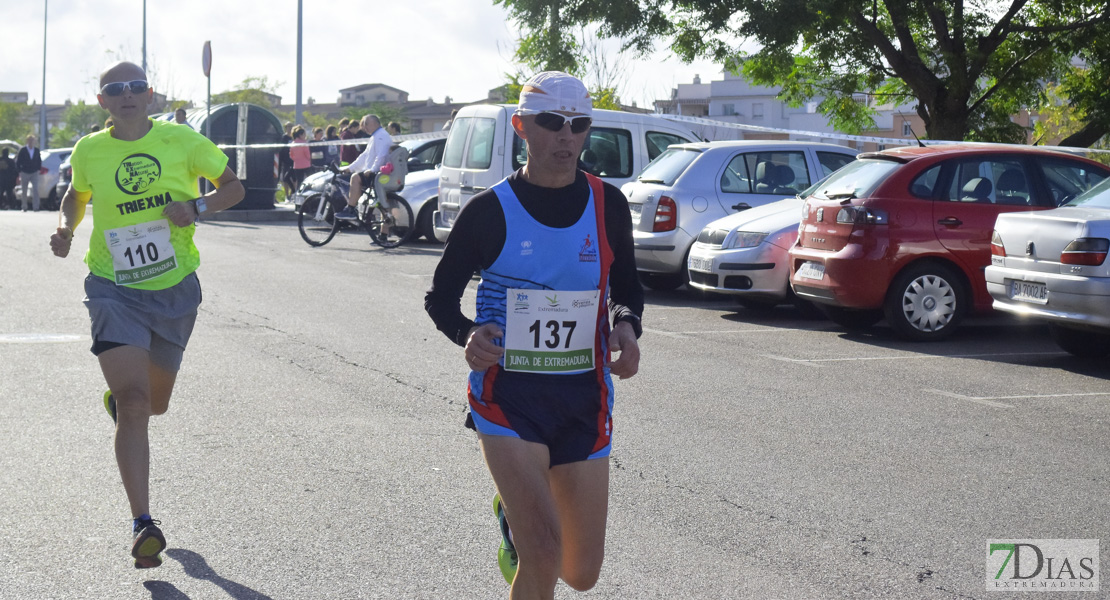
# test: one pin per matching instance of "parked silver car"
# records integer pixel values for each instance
(746, 255)
(1051, 265)
(48, 178)
(691, 185)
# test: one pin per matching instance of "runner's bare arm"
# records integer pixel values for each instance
(229, 191)
(70, 215)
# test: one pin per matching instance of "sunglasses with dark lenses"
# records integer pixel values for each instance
(554, 122)
(116, 89)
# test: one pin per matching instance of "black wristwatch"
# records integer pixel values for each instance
(199, 206)
(634, 321)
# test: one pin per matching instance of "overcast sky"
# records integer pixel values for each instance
(429, 48)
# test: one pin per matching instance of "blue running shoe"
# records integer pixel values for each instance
(506, 554)
(110, 405)
(148, 543)
(347, 214)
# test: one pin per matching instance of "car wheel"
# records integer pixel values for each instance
(1084, 344)
(424, 225)
(926, 302)
(52, 200)
(852, 319)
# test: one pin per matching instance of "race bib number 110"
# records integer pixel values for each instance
(550, 331)
(141, 252)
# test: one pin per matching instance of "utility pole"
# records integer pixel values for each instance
(43, 137)
(300, 35)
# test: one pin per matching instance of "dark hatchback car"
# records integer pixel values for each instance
(424, 154)
(906, 233)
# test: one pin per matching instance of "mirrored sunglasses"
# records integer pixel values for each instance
(116, 89)
(555, 121)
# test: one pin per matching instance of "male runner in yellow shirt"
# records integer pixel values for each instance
(142, 291)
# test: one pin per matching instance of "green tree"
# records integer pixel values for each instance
(1087, 89)
(13, 125)
(77, 122)
(252, 89)
(967, 66)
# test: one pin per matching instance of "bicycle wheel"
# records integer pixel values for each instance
(316, 220)
(391, 227)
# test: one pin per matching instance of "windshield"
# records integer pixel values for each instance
(669, 165)
(1096, 197)
(856, 179)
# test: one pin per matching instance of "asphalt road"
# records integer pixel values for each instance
(315, 448)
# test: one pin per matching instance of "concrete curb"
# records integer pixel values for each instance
(280, 212)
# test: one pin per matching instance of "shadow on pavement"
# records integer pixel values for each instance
(163, 590)
(197, 568)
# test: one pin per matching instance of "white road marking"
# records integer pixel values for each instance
(710, 331)
(992, 400)
(911, 357)
(982, 401)
(808, 363)
(39, 338)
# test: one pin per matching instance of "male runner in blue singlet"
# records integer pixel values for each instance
(554, 249)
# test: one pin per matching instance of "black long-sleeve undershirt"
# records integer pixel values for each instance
(478, 236)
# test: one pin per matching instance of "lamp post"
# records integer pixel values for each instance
(43, 138)
(297, 112)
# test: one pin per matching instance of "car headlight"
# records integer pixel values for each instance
(746, 239)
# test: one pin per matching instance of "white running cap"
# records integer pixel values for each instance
(554, 91)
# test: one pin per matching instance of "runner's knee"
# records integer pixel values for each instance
(581, 577)
(133, 403)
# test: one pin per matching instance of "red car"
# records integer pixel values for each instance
(905, 233)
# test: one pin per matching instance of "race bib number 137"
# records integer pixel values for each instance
(550, 331)
(141, 252)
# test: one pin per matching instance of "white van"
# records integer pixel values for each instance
(482, 149)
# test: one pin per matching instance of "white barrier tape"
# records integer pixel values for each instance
(854, 138)
(435, 135)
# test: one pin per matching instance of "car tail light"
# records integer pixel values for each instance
(1090, 252)
(997, 249)
(666, 215)
(859, 215)
(43, 170)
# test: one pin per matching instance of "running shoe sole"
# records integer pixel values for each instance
(147, 547)
(506, 554)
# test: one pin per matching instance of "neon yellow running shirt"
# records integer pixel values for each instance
(131, 242)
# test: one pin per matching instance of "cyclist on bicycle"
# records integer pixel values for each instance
(364, 170)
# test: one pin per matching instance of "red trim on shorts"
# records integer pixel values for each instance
(486, 407)
(601, 352)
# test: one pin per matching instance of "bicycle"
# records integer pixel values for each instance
(388, 227)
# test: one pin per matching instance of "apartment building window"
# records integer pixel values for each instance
(729, 109)
(907, 129)
(757, 110)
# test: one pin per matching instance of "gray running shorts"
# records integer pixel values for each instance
(158, 321)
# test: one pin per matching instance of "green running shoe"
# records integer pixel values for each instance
(110, 405)
(506, 554)
(148, 543)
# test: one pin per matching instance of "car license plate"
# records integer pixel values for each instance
(698, 263)
(811, 270)
(636, 209)
(1029, 291)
